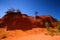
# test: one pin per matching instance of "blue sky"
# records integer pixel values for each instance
(44, 7)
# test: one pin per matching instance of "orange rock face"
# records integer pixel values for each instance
(17, 20)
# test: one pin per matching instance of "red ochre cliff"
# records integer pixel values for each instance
(17, 20)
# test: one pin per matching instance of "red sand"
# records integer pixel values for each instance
(35, 37)
(34, 34)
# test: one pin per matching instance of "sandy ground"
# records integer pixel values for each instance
(35, 37)
(34, 34)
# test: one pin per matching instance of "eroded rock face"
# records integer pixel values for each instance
(0, 20)
(17, 20)
(41, 20)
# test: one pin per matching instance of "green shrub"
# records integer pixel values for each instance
(47, 25)
(51, 32)
(58, 27)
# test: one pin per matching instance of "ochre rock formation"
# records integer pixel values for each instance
(17, 20)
